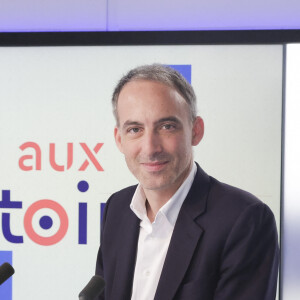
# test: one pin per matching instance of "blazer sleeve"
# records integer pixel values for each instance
(249, 264)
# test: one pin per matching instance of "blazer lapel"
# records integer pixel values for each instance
(185, 238)
(128, 240)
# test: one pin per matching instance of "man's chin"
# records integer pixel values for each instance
(155, 186)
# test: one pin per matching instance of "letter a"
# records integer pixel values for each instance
(38, 154)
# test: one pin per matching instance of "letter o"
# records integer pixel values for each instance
(64, 222)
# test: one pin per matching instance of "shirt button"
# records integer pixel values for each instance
(147, 273)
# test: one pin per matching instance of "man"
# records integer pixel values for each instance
(179, 234)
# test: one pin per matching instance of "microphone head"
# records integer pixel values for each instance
(93, 288)
(6, 270)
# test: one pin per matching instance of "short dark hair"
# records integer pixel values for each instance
(159, 73)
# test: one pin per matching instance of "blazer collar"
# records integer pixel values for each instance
(196, 200)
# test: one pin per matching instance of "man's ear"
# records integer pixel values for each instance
(198, 131)
(118, 138)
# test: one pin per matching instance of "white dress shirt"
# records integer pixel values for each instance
(154, 238)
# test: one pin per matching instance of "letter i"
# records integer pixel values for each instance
(82, 186)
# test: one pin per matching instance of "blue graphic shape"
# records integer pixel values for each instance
(83, 186)
(7, 232)
(82, 224)
(102, 207)
(46, 222)
(184, 70)
(6, 287)
(7, 203)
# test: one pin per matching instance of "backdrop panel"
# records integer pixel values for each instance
(59, 162)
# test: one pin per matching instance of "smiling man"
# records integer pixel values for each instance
(178, 234)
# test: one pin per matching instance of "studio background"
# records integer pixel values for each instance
(61, 96)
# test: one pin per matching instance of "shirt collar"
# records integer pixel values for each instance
(171, 209)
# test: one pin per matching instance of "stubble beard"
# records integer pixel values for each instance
(160, 180)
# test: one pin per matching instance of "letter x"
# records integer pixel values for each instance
(91, 156)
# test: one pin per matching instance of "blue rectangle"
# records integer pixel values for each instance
(82, 224)
(102, 207)
(6, 287)
(184, 70)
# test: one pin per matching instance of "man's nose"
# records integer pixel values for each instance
(151, 143)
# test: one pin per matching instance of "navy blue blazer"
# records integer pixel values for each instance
(224, 246)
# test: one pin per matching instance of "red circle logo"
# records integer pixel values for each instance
(64, 222)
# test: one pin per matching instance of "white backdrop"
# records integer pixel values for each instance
(61, 95)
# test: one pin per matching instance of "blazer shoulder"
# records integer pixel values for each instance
(116, 205)
(232, 196)
(216, 199)
(228, 203)
(122, 198)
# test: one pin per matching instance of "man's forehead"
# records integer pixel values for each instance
(149, 90)
(142, 98)
(153, 119)
(139, 82)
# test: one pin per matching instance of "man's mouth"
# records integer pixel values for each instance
(154, 166)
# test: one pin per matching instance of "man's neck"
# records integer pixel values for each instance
(156, 199)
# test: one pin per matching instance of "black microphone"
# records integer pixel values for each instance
(6, 270)
(93, 289)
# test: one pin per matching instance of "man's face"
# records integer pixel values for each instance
(156, 134)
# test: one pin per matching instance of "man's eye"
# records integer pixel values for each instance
(134, 130)
(168, 126)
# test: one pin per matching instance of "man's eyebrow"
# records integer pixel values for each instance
(168, 119)
(130, 123)
(162, 120)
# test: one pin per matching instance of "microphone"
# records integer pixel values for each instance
(93, 289)
(6, 270)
